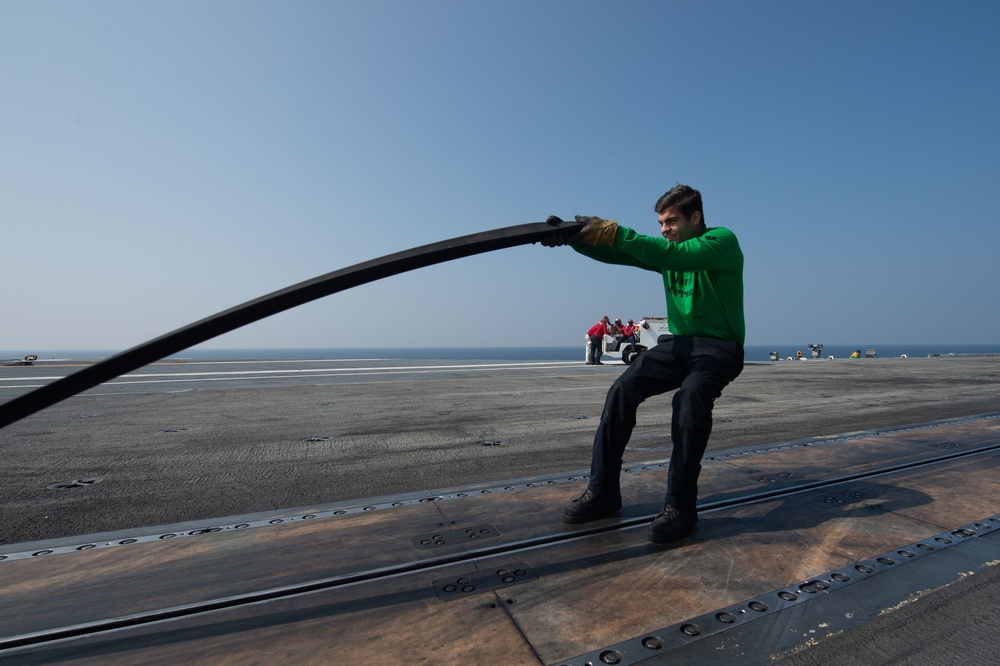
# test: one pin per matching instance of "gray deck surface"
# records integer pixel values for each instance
(189, 444)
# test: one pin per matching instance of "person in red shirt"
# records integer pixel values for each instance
(616, 329)
(595, 336)
(629, 331)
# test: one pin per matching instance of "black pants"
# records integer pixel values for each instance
(699, 368)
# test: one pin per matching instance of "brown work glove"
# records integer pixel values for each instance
(597, 231)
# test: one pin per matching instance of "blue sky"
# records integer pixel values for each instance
(163, 161)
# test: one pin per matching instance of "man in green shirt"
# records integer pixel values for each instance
(702, 270)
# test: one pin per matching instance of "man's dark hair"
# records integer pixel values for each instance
(685, 198)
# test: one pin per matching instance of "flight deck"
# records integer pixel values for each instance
(797, 541)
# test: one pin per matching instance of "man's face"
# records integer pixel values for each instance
(676, 228)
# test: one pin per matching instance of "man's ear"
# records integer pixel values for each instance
(696, 218)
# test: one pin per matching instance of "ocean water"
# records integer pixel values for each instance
(753, 352)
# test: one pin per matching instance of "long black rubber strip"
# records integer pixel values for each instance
(273, 303)
(212, 605)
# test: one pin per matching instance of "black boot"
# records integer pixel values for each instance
(672, 524)
(592, 507)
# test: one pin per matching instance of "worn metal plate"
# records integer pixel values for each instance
(96, 584)
(389, 621)
(582, 588)
(616, 584)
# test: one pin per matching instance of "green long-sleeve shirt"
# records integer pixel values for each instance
(702, 278)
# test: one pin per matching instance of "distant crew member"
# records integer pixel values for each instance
(617, 335)
(630, 332)
(702, 271)
(595, 340)
(622, 333)
(856, 353)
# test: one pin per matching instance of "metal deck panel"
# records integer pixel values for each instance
(599, 589)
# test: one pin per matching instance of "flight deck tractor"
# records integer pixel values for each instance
(649, 330)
